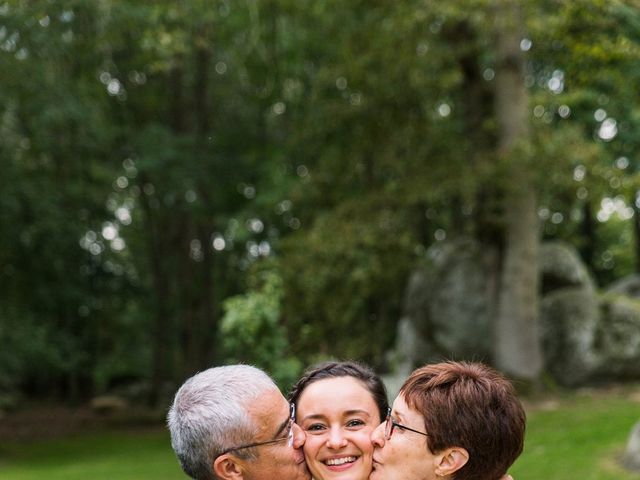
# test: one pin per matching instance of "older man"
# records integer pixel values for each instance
(233, 423)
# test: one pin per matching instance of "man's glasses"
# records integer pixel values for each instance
(391, 424)
(287, 434)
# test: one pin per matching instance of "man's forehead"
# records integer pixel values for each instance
(269, 409)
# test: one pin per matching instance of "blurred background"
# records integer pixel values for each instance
(192, 183)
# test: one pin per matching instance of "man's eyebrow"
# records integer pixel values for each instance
(282, 428)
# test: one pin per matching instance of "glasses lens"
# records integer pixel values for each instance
(292, 419)
(388, 426)
(290, 435)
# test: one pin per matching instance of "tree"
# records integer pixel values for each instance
(161, 151)
(518, 350)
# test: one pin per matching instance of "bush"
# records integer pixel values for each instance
(252, 331)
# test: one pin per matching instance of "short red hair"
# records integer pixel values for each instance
(472, 406)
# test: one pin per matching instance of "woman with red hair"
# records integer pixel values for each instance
(451, 420)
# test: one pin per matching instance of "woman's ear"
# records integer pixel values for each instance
(451, 460)
(225, 466)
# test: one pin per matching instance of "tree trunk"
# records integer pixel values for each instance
(517, 345)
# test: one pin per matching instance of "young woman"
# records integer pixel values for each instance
(338, 405)
(451, 420)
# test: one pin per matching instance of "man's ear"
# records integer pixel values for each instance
(228, 467)
(451, 460)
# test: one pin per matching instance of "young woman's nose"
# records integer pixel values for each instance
(336, 438)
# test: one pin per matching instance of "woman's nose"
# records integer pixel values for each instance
(336, 438)
(377, 436)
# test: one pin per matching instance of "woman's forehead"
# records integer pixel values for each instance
(402, 409)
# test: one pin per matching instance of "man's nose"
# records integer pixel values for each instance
(299, 436)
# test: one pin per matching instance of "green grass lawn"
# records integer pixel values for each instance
(107, 456)
(579, 437)
(574, 437)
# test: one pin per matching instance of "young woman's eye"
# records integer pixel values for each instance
(355, 423)
(315, 427)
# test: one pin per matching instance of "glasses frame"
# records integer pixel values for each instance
(390, 424)
(287, 436)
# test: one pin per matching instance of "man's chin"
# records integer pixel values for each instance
(304, 470)
(307, 474)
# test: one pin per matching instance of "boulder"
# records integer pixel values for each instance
(631, 458)
(562, 267)
(618, 338)
(459, 307)
(587, 337)
(629, 286)
(569, 323)
(448, 303)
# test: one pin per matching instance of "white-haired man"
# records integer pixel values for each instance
(233, 423)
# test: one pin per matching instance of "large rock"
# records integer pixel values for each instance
(447, 302)
(561, 267)
(618, 339)
(631, 459)
(570, 316)
(569, 322)
(629, 286)
(585, 336)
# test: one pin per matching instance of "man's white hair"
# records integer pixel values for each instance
(209, 415)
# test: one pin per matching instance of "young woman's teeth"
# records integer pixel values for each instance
(340, 461)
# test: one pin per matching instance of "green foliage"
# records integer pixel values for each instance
(588, 45)
(54, 171)
(252, 331)
(338, 137)
(344, 279)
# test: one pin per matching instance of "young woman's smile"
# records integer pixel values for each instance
(338, 416)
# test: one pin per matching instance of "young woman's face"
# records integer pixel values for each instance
(403, 456)
(338, 416)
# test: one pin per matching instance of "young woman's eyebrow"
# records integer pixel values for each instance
(357, 411)
(314, 416)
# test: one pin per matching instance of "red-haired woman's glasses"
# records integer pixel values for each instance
(391, 424)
